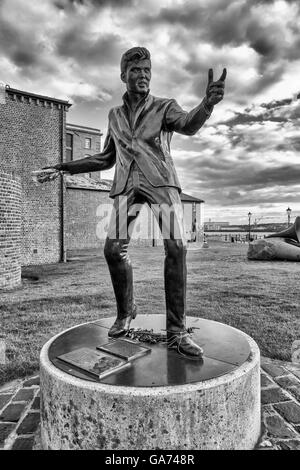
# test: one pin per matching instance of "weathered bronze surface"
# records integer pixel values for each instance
(138, 144)
(224, 350)
(92, 362)
(125, 349)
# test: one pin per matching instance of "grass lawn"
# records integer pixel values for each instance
(260, 298)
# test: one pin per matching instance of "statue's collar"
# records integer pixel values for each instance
(142, 100)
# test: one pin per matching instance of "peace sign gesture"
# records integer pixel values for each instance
(215, 90)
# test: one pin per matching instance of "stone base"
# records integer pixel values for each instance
(217, 406)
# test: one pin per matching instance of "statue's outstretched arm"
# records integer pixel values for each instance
(98, 162)
(188, 123)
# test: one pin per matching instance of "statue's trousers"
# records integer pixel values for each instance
(167, 208)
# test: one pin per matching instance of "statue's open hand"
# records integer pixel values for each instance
(45, 174)
(215, 90)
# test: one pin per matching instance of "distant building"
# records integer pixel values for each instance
(211, 225)
(82, 141)
(193, 217)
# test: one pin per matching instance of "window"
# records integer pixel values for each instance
(69, 140)
(69, 147)
(69, 155)
(87, 143)
(97, 146)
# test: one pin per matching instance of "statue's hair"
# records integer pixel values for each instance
(135, 53)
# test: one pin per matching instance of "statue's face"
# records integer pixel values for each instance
(137, 76)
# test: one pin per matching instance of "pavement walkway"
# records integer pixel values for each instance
(280, 397)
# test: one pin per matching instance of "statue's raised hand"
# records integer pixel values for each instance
(215, 90)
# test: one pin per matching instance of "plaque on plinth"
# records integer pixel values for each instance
(124, 349)
(96, 363)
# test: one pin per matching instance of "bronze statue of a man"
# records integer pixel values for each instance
(138, 143)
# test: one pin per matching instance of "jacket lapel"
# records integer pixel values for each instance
(141, 111)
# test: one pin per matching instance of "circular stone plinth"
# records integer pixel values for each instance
(162, 401)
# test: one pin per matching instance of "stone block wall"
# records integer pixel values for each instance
(10, 230)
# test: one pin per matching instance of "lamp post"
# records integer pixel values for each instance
(249, 218)
(289, 211)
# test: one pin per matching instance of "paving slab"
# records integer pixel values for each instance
(289, 410)
(29, 424)
(12, 412)
(32, 381)
(25, 394)
(287, 381)
(23, 443)
(4, 399)
(274, 370)
(290, 445)
(265, 381)
(36, 403)
(277, 427)
(273, 395)
(5, 430)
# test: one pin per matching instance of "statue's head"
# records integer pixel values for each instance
(136, 69)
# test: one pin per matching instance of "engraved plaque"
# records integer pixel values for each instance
(125, 349)
(94, 362)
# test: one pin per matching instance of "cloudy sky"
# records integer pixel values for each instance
(246, 157)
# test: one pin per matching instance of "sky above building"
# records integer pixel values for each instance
(246, 157)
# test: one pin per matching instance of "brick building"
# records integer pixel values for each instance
(32, 135)
(82, 141)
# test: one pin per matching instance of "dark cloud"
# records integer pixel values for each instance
(242, 175)
(79, 45)
(269, 112)
(264, 46)
(242, 182)
(276, 103)
(295, 113)
(222, 23)
(20, 48)
(245, 118)
(265, 200)
(24, 49)
(65, 4)
(294, 143)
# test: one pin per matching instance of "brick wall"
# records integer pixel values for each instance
(81, 219)
(32, 135)
(85, 219)
(10, 230)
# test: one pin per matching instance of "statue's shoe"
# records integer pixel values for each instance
(121, 325)
(184, 344)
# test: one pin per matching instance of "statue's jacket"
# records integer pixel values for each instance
(143, 137)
